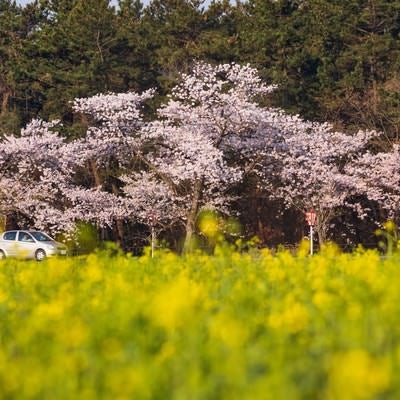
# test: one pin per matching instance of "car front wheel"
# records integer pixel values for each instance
(2, 255)
(40, 255)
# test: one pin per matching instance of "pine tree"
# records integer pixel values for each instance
(334, 60)
(10, 42)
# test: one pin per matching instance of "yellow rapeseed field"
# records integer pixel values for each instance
(228, 326)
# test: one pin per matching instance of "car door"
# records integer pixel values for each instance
(26, 245)
(10, 243)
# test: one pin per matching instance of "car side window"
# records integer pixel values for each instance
(25, 237)
(10, 236)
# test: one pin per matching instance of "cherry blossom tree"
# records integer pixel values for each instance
(115, 131)
(208, 135)
(31, 166)
(209, 123)
(185, 155)
(311, 169)
(377, 177)
(37, 171)
(202, 143)
(151, 202)
(110, 142)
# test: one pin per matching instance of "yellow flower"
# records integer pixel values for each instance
(304, 249)
(355, 375)
(209, 224)
(294, 318)
(389, 226)
(167, 351)
(112, 349)
(3, 296)
(322, 300)
(51, 311)
(128, 382)
(354, 311)
(175, 302)
(230, 331)
(93, 271)
(75, 334)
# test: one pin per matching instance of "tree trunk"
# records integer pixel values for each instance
(192, 216)
(321, 234)
(119, 224)
(98, 180)
(324, 217)
(93, 169)
(3, 222)
(321, 229)
(153, 241)
(4, 103)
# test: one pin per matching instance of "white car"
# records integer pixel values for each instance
(29, 244)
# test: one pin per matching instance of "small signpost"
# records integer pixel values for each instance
(311, 218)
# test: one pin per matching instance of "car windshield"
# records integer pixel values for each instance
(41, 237)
